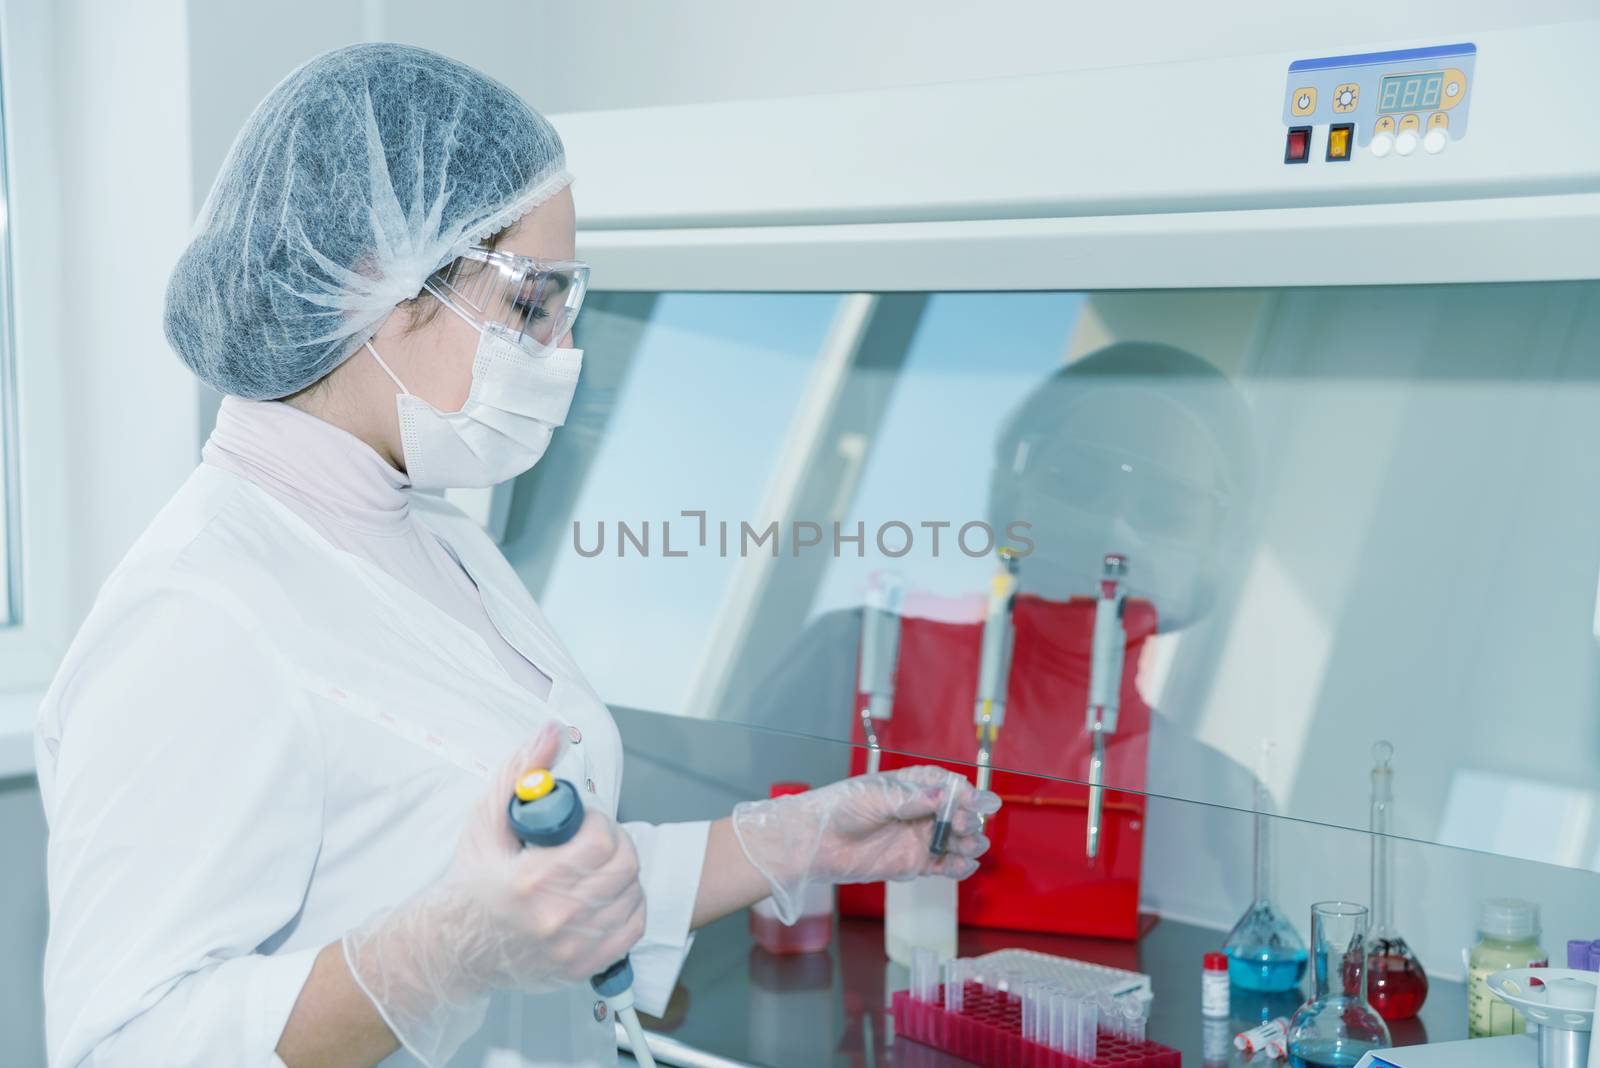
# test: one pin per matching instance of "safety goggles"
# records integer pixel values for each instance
(527, 301)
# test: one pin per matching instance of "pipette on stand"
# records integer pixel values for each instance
(1105, 685)
(546, 811)
(994, 670)
(880, 650)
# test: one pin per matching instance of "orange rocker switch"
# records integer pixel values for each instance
(1341, 138)
(1297, 149)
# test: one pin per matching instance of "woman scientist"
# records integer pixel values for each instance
(277, 757)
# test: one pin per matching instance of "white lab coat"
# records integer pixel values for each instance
(258, 740)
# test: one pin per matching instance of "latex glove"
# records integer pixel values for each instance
(861, 830)
(501, 916)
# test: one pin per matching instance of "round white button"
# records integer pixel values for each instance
(1382, 144)
(1452, 89)
(1304, 103)
(575, 734)
(1435, 140)
(1406, 143)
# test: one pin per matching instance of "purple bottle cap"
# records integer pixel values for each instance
(1594, 956)
(1578, 950)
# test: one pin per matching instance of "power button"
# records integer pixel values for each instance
(1297, 149)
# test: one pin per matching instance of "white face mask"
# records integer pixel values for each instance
(515, 403)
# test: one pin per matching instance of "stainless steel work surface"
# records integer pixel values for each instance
(738, 1002)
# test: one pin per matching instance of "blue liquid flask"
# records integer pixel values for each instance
(1337, 1027)
(1265, 952)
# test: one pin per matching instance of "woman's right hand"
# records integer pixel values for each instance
(501, 916)
(559, 914)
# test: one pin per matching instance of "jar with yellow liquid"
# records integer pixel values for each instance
(1508, 937)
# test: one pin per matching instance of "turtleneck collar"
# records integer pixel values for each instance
(294, 455)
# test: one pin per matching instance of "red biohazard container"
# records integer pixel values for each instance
(1036, 875)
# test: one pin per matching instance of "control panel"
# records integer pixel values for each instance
(1383, 104)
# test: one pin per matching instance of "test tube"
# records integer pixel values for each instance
(947, 812)
(1069, 1023)
(922, 961)
(1088, 1029)
(1030, 994)
(954, 991)
(1137, 1011)
(1257, 1038)
(1111, 1017)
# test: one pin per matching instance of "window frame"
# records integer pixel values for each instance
(11, 543)
(31, 287)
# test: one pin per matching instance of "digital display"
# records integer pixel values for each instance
(1410, 92)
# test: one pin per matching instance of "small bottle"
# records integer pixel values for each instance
(814, 928)
(1214, 986)
(1508, 937)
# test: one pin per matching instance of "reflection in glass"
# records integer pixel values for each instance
(1411, 448)
(1138, 450)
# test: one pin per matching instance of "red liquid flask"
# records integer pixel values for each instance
(1396, 984)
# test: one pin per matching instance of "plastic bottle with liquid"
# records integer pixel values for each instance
(814, 929)
(920, 914)
(1508, 937)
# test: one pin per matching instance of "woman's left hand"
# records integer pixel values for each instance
(863, 829)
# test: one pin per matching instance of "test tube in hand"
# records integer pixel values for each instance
(947, 812)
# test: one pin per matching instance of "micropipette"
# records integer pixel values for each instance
(947, 812)
(546, 811)
(1105, 685)
(880, 648)
(994, 670)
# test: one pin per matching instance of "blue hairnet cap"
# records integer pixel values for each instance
(362, 173)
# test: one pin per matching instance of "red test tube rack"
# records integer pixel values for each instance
(987, 1030)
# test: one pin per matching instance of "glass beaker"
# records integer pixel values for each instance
(1265, 953)
(1396, 984)
(1337, 1027)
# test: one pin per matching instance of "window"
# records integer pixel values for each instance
(1361, 513)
